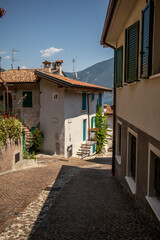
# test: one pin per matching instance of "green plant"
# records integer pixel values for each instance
(37, 140)
(10, 128)
(101, 129)
(27, 155)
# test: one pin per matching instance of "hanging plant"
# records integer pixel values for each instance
(2, 12)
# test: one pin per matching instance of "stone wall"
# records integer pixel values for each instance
(11, 156)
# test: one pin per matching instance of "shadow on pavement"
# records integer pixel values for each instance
(65, 179)
(91, 205)
(107, 161)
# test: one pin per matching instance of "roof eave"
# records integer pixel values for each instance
(108, 19)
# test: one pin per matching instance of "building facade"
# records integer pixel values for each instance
(63, 108)
(131, 29)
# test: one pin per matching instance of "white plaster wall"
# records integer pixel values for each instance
(74, 117)
(51, 117)
(138, 103)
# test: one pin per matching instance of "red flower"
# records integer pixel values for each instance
(2, 12)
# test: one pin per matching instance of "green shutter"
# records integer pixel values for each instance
(118, 66)
(27, 102)
(92, 122)
(146, 40)
(132, 47)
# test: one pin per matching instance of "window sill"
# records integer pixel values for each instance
(155, 205)
(118, 158)
(155, 76)
(131, 184)
(83, 111)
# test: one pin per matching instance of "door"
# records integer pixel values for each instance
(84, 130)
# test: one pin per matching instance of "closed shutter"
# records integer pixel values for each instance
(27, 102)
(146, 40)
(132, 46)
(92, 122)
(118, 66)
(83, 101)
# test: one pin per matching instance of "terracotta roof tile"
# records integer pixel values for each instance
(72, 82)
(29, 76)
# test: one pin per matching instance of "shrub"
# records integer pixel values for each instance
(10, 128)
(101, 129)
(37, 140)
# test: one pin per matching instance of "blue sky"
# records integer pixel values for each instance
(53, 30)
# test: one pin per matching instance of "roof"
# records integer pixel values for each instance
(68, 82)
(19, 76)
(30, 76)
(46, 62)
(59, 61)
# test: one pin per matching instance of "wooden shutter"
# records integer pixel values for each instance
(83, 101)
(146, 40)
(27, 102)
(132, 47)
(92, 122)
(118, 66)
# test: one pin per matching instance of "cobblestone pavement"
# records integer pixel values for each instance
(82, 201)
(24, 193)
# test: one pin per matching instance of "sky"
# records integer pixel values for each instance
(53, 30)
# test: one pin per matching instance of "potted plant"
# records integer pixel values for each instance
(2, 12)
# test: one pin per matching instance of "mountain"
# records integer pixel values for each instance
(100, 74)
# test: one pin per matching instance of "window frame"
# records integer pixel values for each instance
(25, 92)
(130, 180)
(118, 153)
(153, 201)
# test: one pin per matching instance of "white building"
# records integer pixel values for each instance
(63, 108)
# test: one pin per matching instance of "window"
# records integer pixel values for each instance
(84, 101)
(119, 142)
(55, 96)
(118, 66)
(27, 102)
(93, 122)
(146, 40)
(132, 143)
(93, 96)
(153, 185)
(132, 46)
(100, 99)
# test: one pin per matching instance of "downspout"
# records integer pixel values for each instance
(114, 118)
(88, 116)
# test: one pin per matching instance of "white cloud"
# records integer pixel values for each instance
(23, 67)
(7, 57)
(50, 51)
(2, 52)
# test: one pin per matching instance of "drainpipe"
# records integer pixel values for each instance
(88, 116)
(114, 117)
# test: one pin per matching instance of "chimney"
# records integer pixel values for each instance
(58, 65)
(47, 66)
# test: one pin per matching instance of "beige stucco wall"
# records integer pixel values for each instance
(138, 103)
(51, 117)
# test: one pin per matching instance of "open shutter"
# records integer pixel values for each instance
(100, 99)
(118, 66)
(132, 46)
(146, 40)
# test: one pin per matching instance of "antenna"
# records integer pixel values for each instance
(13, 51)
(73, 61)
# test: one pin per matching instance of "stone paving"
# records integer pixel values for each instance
(70, 199)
